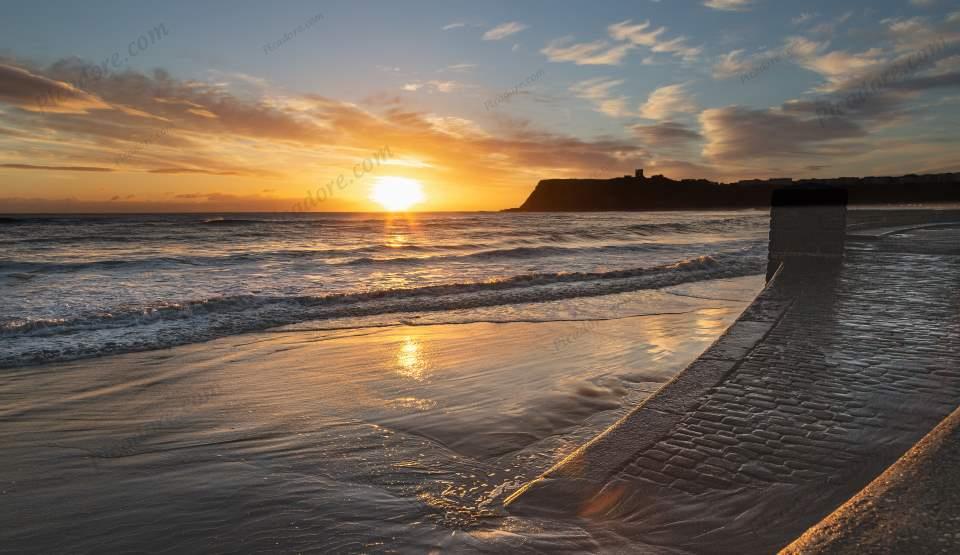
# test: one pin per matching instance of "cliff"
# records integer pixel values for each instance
(662, 193)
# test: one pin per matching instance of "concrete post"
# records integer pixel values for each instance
(807, 227)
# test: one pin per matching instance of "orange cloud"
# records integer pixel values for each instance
(293, 142)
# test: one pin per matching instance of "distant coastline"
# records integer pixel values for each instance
(639, 193)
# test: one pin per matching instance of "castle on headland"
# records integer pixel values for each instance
(662, 193)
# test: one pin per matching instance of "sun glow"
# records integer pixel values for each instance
(396, 194)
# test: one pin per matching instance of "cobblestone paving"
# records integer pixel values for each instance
(837, 376)
(861, 366)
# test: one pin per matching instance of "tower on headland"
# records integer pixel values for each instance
(639, 173)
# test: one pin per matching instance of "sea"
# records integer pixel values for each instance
(87, 286)
(337, 382)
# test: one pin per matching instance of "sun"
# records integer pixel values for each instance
(396, 194)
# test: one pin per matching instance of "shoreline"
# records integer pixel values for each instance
(396, 435)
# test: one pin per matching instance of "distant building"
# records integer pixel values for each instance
(639, 173)
(780, 181)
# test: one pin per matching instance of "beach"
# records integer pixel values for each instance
(346, 384)
(398, 438)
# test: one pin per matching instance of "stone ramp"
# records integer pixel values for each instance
(823, 383)
(913, 507)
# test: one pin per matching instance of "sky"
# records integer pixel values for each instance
(236, 106)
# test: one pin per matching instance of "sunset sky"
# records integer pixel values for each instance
(213, 110)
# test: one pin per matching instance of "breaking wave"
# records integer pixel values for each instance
(160, 325)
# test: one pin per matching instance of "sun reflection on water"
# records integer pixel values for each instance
(411, 361)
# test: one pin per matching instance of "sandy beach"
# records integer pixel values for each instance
(403, 437)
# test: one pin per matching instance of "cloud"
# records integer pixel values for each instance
(915, 33)
(665, 134)
(803, 18)
(504, 30)
(450, 26)
(200, 203)
(881, 94)
(839, 65)
(460, 67)
(598, 52)
(192, 170)
(734, 63)
(668, 100)
(875, 89)
(626, 37)
(829, 28)
(662, 102)
(55, 168)
(445, 86)
(641, 34)
(739, 134)
(599, 91)
(729, 5)
(433, 86)
(923, 3)
(34, 92)
(204, 127)
(286, 141)
(835, 66)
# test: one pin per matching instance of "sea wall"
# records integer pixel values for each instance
(807, 225)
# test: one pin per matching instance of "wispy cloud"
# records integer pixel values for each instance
(34, 92)
(599, 91)
(642, 34)
(626, 36)
(460, 67)
(433, 85)
(666, 101)
(56, 168)
(828, 29)
(504, 30)
(729, 5)
(450, 26)
(598, 52)
(835, 65)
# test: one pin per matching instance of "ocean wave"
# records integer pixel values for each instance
(160, 325)
(233, 221)
(156, 262)
(714, 225)
(410, 254)
(12, 267)
(533, 253)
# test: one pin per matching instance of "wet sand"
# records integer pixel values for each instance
(378, 439)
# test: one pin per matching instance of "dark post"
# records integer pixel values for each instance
(807, 227)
